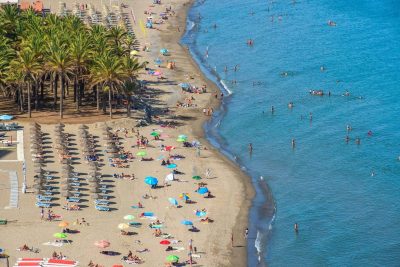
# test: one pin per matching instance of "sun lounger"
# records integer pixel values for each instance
(31, 264)
(43, 204)
(54, 244)
(56, 262)
(44, 198)
(74, 199)
(102, 208)
(30, 259)
(101, 202)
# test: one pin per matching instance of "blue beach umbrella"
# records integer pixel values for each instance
(186, 222)
(164, 51)
(173, 201)
(201, 213)
(151, 180)
(158, 61)
(148, 214)
(6, 117)
(171, 166)
(184, 85)
(202, 190)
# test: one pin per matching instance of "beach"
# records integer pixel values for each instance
(231, 191)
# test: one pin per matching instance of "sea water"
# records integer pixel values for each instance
(343, 195)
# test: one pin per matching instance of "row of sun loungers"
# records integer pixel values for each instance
(40, 262)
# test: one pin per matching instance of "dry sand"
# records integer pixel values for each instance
(229, 209)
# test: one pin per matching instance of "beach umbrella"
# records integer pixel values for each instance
(165, 242)
(94, 190)
(202, 190)
(123, 226)
(155, 134)
(182, 136)
(164, 51)
(151, 180)
(67, 167)
(129, 217)
(158, 61)
(201, 213)
(169, 177)
(141, 153)
(184, 196)
(63, 224)
(184, 85)
(196, 177)
(102, 244)
(173, 201)
(172, 258)
(6, 117)
(93, 180)
(172, 166)
(186, 222)
(169, 148)
(60, 235)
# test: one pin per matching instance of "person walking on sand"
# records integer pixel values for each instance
(246, 233)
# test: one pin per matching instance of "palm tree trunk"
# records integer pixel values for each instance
(109, 100)
(128, 108)
(29, 100)
(97, 97)
(55, 91)
(21, 98)
(36, 95)
(62, 95)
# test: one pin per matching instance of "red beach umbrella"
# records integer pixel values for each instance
(165, 242)
(169, 148)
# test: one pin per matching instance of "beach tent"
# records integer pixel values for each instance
(151, 181)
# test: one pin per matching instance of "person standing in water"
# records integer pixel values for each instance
(250, 148)
(293, 143)
(272, 110)
(296, 228)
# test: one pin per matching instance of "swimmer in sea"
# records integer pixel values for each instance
(290, 105)
(293, 143)
(272, 110)
(296, 228)
(206, 52)
(236, 67)
(310, 116)
(358, 141)
(250, 148)
(322, 68)
(226, 68)
(347, 139)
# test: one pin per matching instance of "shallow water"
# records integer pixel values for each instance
(343, 196)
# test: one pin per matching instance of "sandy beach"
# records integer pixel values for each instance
(231, 191)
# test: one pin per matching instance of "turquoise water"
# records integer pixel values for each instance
(344, 196)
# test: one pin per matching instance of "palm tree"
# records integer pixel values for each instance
(28, 66)
(131, 68)
(59, 62)
(80, 53)
(108, 72)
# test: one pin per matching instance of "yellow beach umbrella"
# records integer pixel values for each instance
(63, 224)
(123, 226)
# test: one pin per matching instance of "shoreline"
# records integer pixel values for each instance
(233, 187)
(238, 255)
